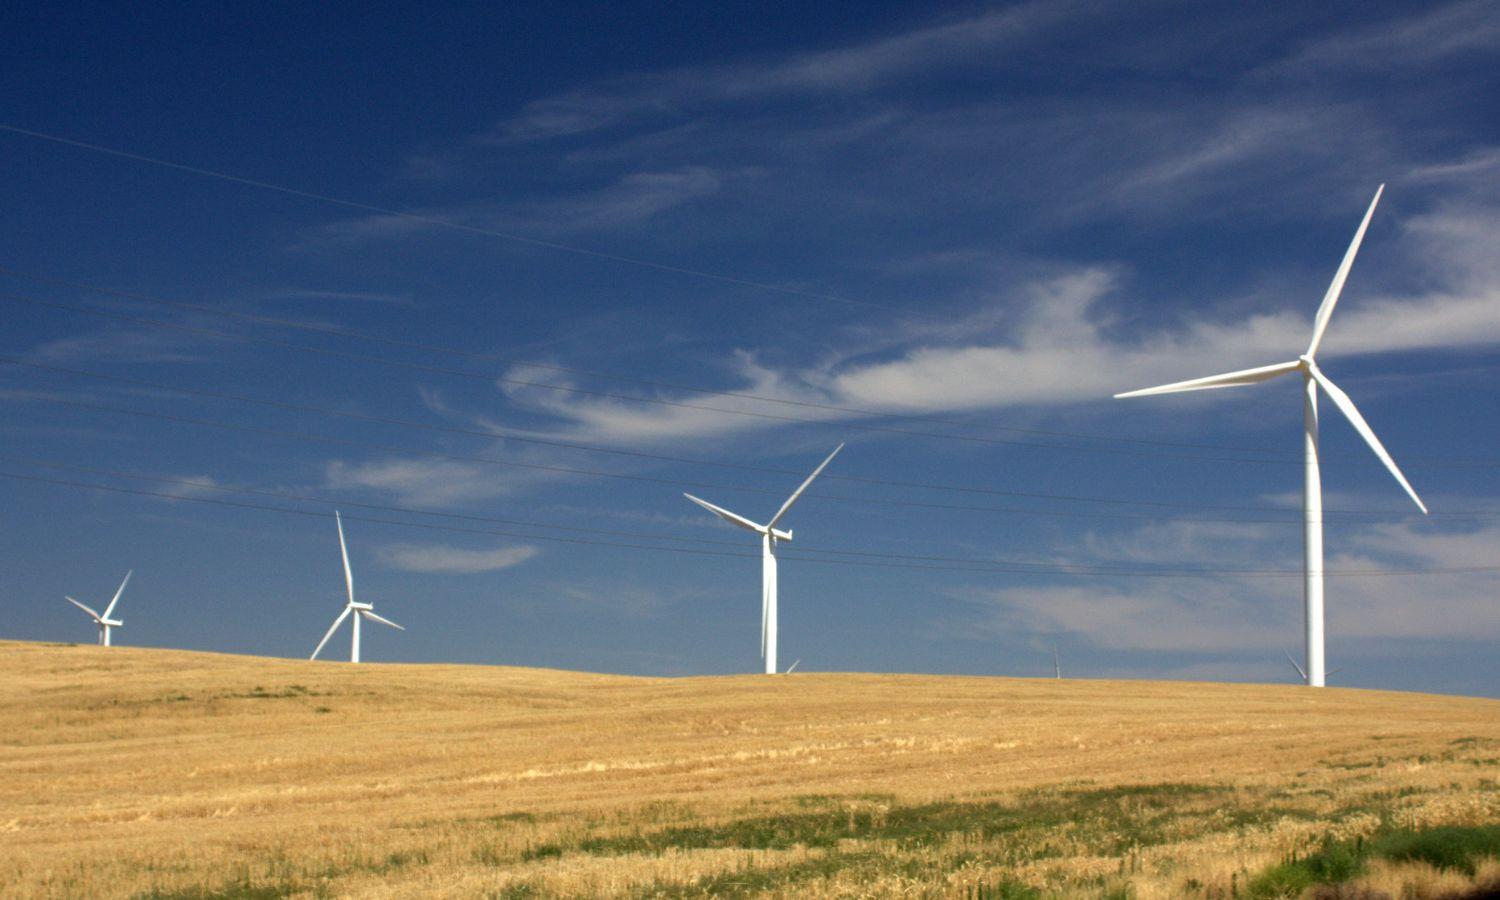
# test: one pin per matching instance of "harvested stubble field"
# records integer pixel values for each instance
(130, 772)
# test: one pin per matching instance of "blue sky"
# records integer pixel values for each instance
(702, 247)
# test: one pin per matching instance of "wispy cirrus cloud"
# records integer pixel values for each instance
(1433, 34)
(624, 201)
(325, 296)
(856, 68)
(125, 343)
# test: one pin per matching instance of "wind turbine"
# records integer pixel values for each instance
(1312, 495)
(770, 535)
(1302, 673)
(360, 610)
(104, 622)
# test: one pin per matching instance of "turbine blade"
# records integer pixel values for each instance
(1300, 673)
(1228, 379)
(798, 492)
(344, 549)
(1331, 299)
(331, 629)
(792, 667)
(96, 616)
(726, 515)
(1346, 406)
(111, 607)
(370, 615)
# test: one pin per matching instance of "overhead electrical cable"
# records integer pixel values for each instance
(568, 470)
(1051, 565)
(440, 222)
(608, 395)
(992, 569)
(464, 373)
(659, 457)
(331, 331)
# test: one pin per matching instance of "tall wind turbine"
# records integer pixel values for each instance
(1312, 497)
(360, 610)
(770, 535)
(104, 622)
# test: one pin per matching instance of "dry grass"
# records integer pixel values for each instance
(127, 772)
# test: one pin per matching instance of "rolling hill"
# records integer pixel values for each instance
(136, 772)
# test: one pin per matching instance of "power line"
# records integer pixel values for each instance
(797, 550)
(992, 569)
(487, 460)
(326, 330)
(637, 454)
(457, 226)
(425, 367)
(490, 357)
(656, 401)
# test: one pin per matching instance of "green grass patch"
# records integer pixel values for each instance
(1453, 847)
(1116, 819)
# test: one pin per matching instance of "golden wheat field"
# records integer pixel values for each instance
(153, 773)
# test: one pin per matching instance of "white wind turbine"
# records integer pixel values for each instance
(1312, 497)
(104, 622)
(360, 610)
(770, 535)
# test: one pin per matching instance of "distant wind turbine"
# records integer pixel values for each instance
(360, 610)
(770, 535)
(1302, 673)
(1312, 497)
(104, 622)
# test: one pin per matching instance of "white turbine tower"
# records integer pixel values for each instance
(770, 535)
(360, 610)
(1312, 497)
(104, 622)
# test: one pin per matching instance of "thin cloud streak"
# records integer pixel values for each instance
(430, 559)
(854, 69)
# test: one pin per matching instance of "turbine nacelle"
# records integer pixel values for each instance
(361, 606)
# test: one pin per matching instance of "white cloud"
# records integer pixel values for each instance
(1060, 345)
(443, 560)
(693, 416)
(421, 482)
(1242, 614)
